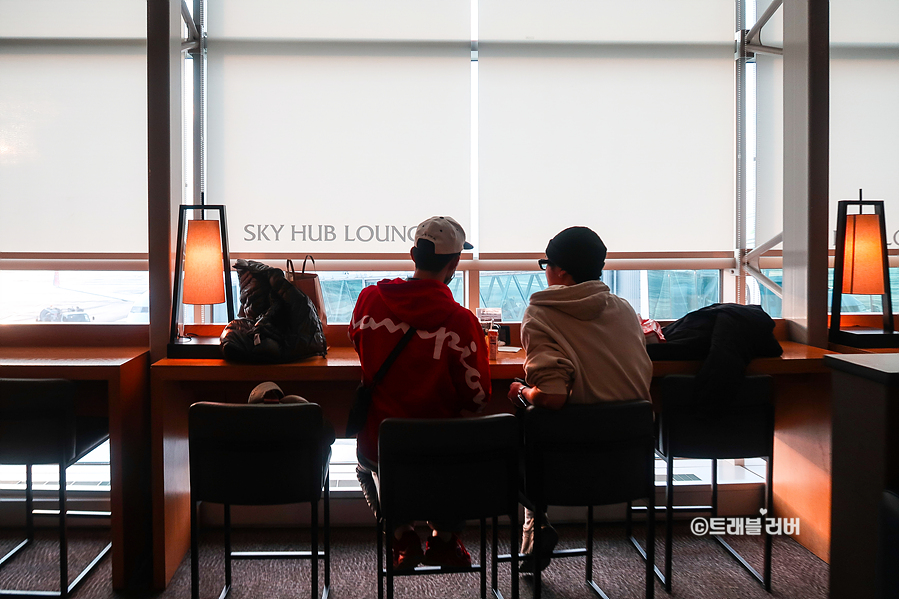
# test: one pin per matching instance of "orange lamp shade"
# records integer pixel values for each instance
(863, 256)
(203, 263)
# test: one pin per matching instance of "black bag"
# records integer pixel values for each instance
(277, 323)
(355, 422)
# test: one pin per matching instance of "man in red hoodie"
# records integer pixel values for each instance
(443, 372)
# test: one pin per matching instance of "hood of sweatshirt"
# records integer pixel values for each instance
(584, 301)
(424, 304)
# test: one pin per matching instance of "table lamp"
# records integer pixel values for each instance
(202, 277)
(861, 266)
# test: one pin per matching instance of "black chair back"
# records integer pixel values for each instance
(742, 429)
(256, 454)
(459, 469)
(37, 421)
(585, 455)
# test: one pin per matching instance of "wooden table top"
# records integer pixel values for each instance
(72, 356)
(342, 363)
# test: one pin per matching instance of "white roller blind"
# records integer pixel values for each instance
(769, 146)
(337, 147)
(864, 96)
(433, 20)
(615, 115)
(634, 141)
(868, 22)
(643, 21)
(73, 19)
(73, 129)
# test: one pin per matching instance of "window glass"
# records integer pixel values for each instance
(849, 304)
(28, 296)
(658, 294)
(342, 289)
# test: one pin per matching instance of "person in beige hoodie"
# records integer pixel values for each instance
(583, 343)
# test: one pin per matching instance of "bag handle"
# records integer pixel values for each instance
(308, 257)
(392, 357)
(290, 269)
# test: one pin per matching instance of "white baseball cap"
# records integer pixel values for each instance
(445, 233)
(269, 392)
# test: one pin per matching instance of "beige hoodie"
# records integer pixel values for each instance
(585, 339)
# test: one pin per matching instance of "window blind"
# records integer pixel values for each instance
(623, 121)
(864, 94)
(73, 127)
(337, 147)
(385, 20)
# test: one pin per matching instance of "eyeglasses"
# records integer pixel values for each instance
(543, 263)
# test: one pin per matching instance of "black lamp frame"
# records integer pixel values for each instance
(862, 338)
(197, 346)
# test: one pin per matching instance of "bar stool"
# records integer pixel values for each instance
(452, 469)
(38, 425)
(743, 428)
(589, 455)
(283, 447)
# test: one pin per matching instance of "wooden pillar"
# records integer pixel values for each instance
(806, 163)
(164, 159)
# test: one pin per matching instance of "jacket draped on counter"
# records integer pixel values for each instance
(727, 337)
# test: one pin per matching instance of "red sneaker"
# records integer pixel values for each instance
(407, 551)
(450, 553)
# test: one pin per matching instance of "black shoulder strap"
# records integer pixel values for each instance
(392, 357)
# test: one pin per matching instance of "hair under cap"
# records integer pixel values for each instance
(578, 251)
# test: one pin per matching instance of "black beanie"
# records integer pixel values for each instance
(579, 252)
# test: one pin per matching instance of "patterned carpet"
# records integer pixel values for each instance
(702, 568)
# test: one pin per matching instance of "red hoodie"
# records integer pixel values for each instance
(442, 373)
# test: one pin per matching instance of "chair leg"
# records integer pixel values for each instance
(651, 542)
(313, 554)
(29, 503)
(513, 549)
(483, 565)
(380, 534)
(589, 569)
(493, 564)
(327, 525)
(63, 541)
(539, 511)
(227, 546)
(194, 549)
(714, 488)
(769, 502)
(388, 549)
(669, 517)
(629, 519)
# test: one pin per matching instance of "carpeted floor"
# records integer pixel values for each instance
(702, 568)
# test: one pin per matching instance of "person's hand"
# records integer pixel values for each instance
(514, 390)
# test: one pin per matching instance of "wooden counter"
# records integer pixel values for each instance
(113, 381)
(342, 364)
(802, 447)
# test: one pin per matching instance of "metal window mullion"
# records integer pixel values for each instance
(740, 188)
(199, 102)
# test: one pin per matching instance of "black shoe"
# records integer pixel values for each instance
(548, 540)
